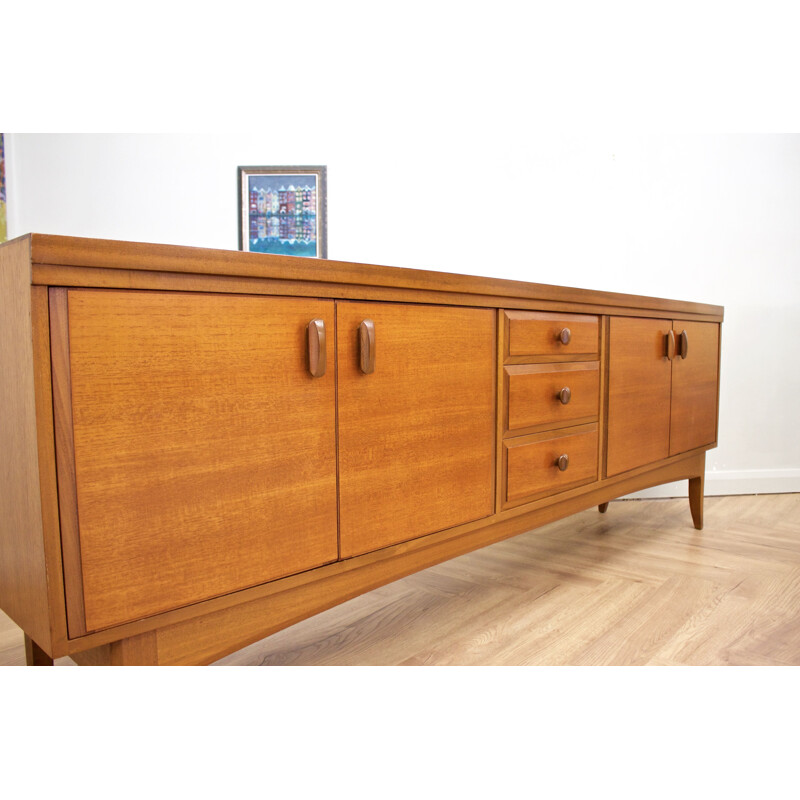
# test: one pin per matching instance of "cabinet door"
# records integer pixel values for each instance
(204, 451)
(639, 376)
(416, 435)
(694, 387)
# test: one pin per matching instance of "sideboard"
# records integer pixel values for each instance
(202, 447)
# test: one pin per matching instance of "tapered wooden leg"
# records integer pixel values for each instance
(602, 508)
(696, 486)
(34, 655)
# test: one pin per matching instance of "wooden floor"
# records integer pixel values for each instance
(637, 585)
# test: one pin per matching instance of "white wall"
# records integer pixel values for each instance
(712, 218)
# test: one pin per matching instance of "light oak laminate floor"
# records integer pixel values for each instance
(635, 586)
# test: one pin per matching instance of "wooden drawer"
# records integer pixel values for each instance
(531, 463)
(533, 392)
(533, 333)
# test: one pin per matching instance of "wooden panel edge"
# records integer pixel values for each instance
(552, 366)
(497, 410)
(502, 407)
(553, 433)
(48, 485)
(104, 278)
(65, 462)
(605, 359)
(23, 562)
(78, 251)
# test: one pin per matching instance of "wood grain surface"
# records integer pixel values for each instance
(533, 390)
(204, 449)
(416, 436)
(531, 462)
(65, 462)
(534, 333)
(639, 377)
(23, 572)
(694, 388)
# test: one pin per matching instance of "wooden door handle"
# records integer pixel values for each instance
(317, 351)
(366, 338)
(683, 349)
(671, 345)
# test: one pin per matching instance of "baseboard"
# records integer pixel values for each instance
(724, 482)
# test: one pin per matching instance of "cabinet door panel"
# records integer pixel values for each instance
(416, 436)
(204, 450)
(694, 388)
(639, 377)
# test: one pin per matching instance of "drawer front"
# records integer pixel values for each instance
(536, 394)
(532, 463)
(532, 333)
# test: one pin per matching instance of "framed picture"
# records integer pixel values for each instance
(283, 210)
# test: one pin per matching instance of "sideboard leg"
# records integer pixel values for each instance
(135, 651)
(602, 508)
(34, 655)
(696, 486)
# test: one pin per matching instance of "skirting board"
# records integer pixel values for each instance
(727, 482)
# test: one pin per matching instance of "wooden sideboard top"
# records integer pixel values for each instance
(50, 251)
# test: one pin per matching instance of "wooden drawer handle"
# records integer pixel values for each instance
(564, 395)
(366, 337)
(670, 341)
(317, 351)
(683, 348)
(564, 335)
(562, 462)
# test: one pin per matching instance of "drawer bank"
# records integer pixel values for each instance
(202, 447)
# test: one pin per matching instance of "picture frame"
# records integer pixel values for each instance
(283, 210)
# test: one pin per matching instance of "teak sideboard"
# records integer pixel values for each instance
(202, 447)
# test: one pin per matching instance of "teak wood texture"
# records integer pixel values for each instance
(204, 449)
(551, 335)
(640, 378)
(208, 447)
(658, 391)
(694, 388)
(533, 462)
(551, 395)
(416, 434)
(23, 575)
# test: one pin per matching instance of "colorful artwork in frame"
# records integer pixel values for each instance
(282, 210)
(3, 224)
